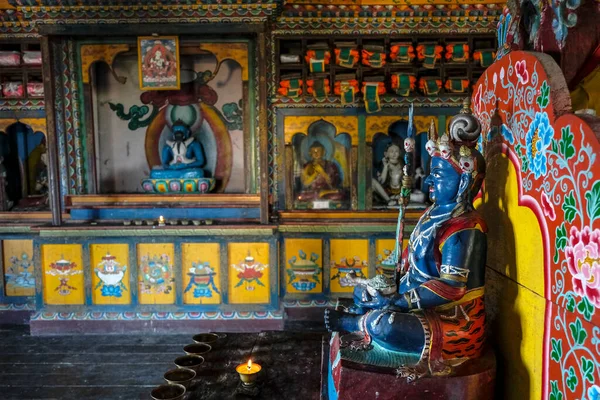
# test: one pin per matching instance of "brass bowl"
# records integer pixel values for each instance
(168, 392)
(197, 348)
(181, 376)
(248, 378)
(192, 362)
(208, 338)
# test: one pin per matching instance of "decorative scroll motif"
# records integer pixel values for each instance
(560, 178)
(58, 61)
(386, 101)
(414, 16)
(90, 53)
(23, 19)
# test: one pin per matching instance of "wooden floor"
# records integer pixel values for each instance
(128, 367)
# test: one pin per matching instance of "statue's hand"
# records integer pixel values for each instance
(178, 166)
(369, 297)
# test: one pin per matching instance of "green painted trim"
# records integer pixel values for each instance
(362, 168)
(340, 229)
(15, 229)
(252, 90)
(441, 124)
(155, 232)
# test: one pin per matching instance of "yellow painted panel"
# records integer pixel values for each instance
(515, 246)
(62, 267)
(110, 273)
(383, 251)
(304, 265)
(155, 273)
(519, 335)
(248, 273)
(347, 256)
(200, 264)
(19, 275)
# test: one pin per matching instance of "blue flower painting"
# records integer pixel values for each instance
(538, 139)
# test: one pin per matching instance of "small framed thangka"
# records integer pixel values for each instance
(158, 62)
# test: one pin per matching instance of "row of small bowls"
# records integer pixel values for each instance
(180, 379)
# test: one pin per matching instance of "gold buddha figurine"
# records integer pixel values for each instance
(320, 177)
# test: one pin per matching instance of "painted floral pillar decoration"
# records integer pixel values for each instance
(556, 155)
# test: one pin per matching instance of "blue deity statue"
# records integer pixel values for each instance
(181, 169)
(182, 157)
(434, 308)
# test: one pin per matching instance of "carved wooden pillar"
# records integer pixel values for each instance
(51, 139)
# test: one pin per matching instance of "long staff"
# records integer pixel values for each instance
(407, 180)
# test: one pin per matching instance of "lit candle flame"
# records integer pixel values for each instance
(161, 219)
(249, 365)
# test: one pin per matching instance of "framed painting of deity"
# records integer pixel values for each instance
(158, 62)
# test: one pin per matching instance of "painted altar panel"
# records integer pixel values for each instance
(62, 274)
(347, 255)
(133, 126)
(200, 268)
(155, 273)
(249, 273)
(19, 279)
(110, 274)
(304, 265)
(321, 166)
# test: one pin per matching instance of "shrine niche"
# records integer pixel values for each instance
(188, 140)
(387, 136)
(23, 166)
(320, 162)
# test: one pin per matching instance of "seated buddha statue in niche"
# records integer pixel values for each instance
(434, 308)
(182, 156)
(320, 177)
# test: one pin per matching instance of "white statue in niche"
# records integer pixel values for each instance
(389, 181)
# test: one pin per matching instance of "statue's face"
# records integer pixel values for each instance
(393, 153)
(180, 133)
(443, 182)
(316, 153)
